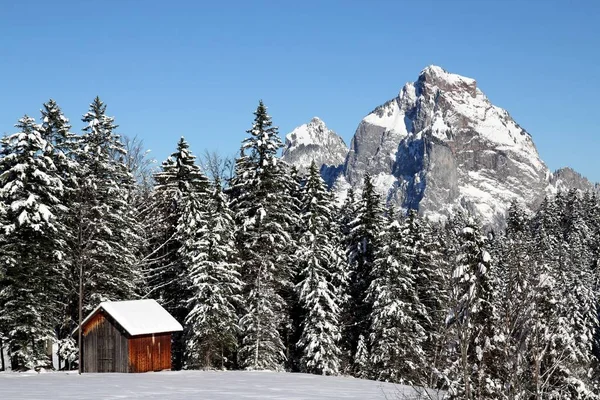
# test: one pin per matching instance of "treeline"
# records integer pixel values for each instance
(266, 271)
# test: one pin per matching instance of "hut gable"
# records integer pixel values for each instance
(127, 336)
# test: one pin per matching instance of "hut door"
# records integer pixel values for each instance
(106, 349)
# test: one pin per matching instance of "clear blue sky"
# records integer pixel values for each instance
(198, 68)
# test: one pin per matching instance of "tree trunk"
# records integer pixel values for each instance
(466, 375)
(14, 361)
(80, 366)
(2, 364)
(258, 332)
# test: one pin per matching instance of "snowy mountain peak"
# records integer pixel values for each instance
(438, 146)
(437, 77)
(315, 132)
(314, 141)
(317, 121)
(442, 144)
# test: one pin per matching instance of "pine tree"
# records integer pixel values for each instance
(215, 287)
(318, 293)
(592, 208)
(397, 334)
(107, 234)
(430, 280)
(363, 241)
(579, 297)
(515, 277)
(56, 130)
(178, 210)
(261, 203)
(544, 318)
(346, 215)
(361, 358)
(32, 245)
(472, 315)
(294, 183)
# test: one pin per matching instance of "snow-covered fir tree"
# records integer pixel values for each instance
(215, 289)
(56, 130)
(346, 215)
(178, 210)
(578, 299)
(294, 182)
(472, 316)
(261, 203)
(515, 278)
(321, 270)
(546, 328)
(396, 333)
(361, 359)
(431, 287)
(32, 245)
(362, 242)
(107, 232)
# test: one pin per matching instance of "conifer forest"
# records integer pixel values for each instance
(267, 270)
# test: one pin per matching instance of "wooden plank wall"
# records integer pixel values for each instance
(105, 347)
(150, 353)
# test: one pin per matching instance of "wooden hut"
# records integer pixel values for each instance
(127, 336)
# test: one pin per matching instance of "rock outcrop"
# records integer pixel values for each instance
(314, 142)
(438, 146)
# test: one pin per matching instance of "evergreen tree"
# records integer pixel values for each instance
(363, 241)
(361, 359)
(106, 229)
(345, 216)
(579, 297)
(430, 282)
(63, 150)
(321, 267)
(544, 318)
(215, 287)
(472, 315)
(261, 203)
(397, 335)
(32, 245)
(106, 250)
(515, 278)
(177, 214)
(294, 183)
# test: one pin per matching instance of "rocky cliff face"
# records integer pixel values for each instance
(315, 142)
(442, 145)
(566, 178)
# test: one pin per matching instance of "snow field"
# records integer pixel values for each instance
(198, 385)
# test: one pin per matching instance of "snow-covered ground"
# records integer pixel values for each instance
(198, 385)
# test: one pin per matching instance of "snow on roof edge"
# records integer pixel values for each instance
(137, 317)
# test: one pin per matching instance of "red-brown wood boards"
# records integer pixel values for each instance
(128, 336)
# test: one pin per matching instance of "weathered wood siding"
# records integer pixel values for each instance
(150, 352)
(105, 347)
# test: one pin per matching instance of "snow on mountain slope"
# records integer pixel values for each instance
(314, 142)
(564, 179)
(442, 144)
(199, 385)
(438, 146)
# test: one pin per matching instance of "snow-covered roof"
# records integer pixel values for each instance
(139, 317)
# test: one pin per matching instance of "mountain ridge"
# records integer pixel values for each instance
(441, 144)
(314, 141)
